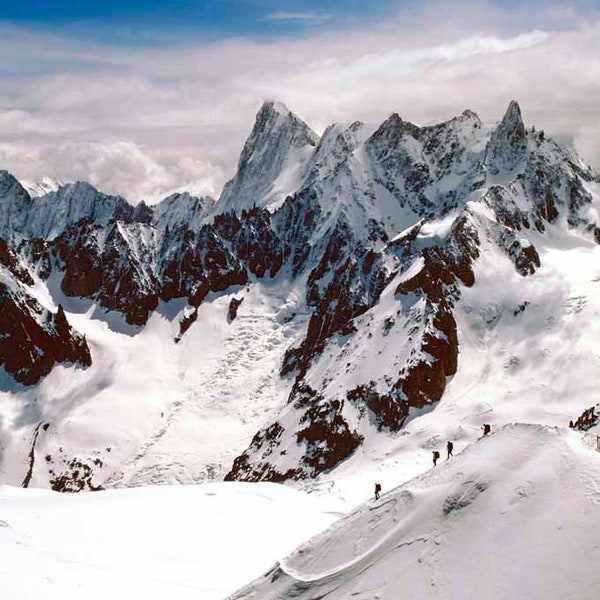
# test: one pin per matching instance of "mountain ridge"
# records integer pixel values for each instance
(376, 235)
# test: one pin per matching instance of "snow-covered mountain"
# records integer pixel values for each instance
(350, 299)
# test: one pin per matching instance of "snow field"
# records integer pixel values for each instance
(193, 542)
(151, 410)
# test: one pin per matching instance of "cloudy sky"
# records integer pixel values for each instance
(141, 99)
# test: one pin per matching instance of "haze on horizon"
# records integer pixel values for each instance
(141, 100)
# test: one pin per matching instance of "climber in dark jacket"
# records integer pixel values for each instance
(449, 448)
(377, 490)
(436, 455)
(486, 429)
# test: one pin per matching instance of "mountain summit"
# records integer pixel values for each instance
(278, 145)
(507, 144)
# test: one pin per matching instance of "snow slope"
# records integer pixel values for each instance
(182, 542)
(513, 516)
(42, 187)
(149, 410)
(528, 349)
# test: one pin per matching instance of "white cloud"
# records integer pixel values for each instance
(142, 121)
(113, 166)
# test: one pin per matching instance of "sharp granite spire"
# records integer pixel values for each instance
(280, 142)
(507, 145)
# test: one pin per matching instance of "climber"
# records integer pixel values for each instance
(377, 491)
(571, 424)
(449, 448)
(486, 429)
(436, 455)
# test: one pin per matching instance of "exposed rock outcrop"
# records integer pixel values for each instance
(32, 339)
(508, 145)
(588, 419)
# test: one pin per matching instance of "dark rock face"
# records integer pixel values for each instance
(76, 476)
(324, 435)
(32, 340)
(387, 410)
(267, 441)
(11, 262)
(588, 419)
(526, 259)
(30, 348)
(29, 474)
(422, 380)
(120, 269)
(358, 279)
(294, 224)
(327, 437)
(103, 265)
(506, 210)
(82, 267)
(188, 318)
(38, 255)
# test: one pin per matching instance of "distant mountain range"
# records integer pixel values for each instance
(379, 233)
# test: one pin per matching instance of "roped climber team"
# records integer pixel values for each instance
(487, 429)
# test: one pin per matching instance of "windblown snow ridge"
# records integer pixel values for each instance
(459, 530)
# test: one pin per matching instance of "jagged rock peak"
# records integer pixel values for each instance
(271, 119)
(14, 205)
(182, 209)
(335, 130)
(508, 141)
(81, 188)
(467, 117)
(272, 108)
(278, 138)
(142, 213)
(339, 139)
(511, 124)
(11, 186)
(470, 114)
(513, 113)
(394, 127)
(462, 125)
